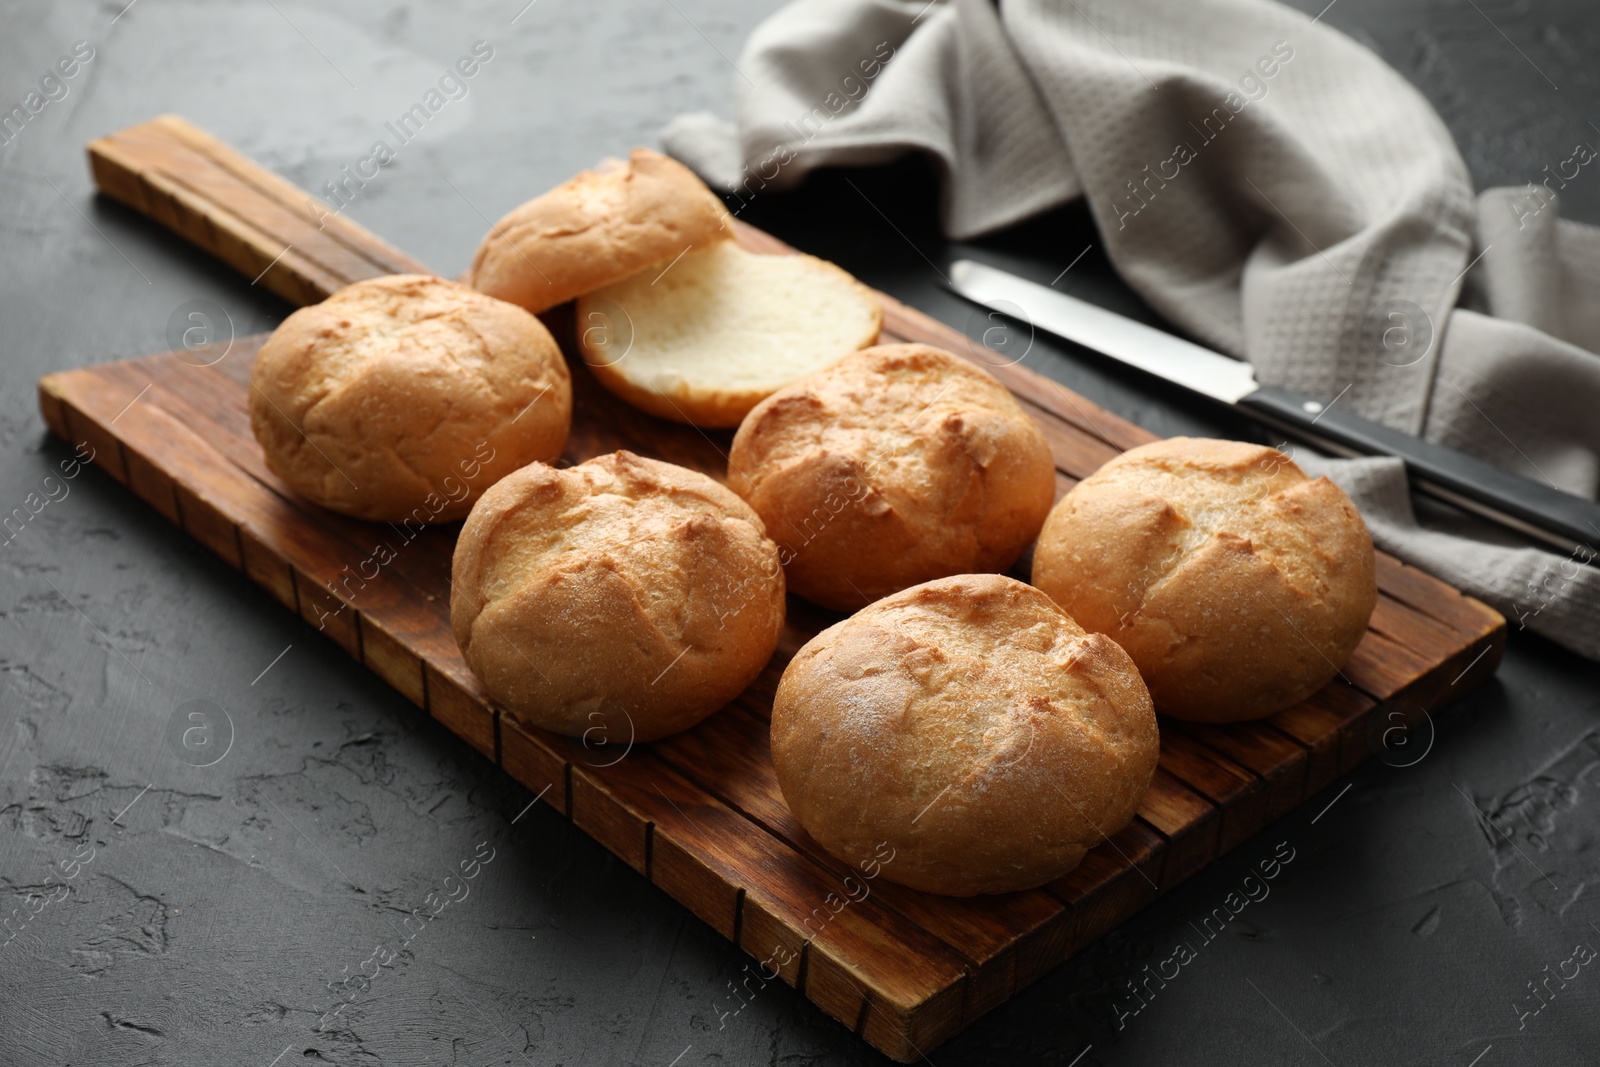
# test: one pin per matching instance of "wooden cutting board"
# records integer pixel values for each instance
(700, 814)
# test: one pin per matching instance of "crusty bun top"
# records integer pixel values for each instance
(597, 228)
(896, 465)
(403, 398)
(623, 593)
(970, 725)
(1238, 585)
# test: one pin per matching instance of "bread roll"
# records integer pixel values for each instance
(1237, 584)
(597, 228)
(894, 466)
(623, 598)
(403, 398)
(966, 734)
(707, 337)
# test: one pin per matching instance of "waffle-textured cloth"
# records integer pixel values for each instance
(1269, 185)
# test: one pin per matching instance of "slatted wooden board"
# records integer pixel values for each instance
(700, 814)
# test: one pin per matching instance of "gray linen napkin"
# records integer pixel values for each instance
(1269, 185)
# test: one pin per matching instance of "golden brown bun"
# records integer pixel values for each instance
(597, 228)
(896, 465)
(1238, 585)
(623, 598)
(707, 337)
(967, 728)
(403, 398)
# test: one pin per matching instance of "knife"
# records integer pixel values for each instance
(1540, 511)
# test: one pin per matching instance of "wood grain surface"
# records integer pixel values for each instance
(699, 814)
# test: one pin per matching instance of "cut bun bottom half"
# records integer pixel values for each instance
(706, 337)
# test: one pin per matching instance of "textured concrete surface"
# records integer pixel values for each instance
(221, 914)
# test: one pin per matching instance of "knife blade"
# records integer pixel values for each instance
(1541, 511)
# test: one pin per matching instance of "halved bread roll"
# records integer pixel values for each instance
(706, 337)
(597, 228)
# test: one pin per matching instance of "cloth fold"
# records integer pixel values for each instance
(1270, 186)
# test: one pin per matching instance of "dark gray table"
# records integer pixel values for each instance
(206, 911)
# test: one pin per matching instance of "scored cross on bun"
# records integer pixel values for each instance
(1237, 584)
(896, 465)
(967, 733)
(623, 596)
(403, 398)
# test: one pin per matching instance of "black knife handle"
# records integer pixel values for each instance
(1545, 512)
